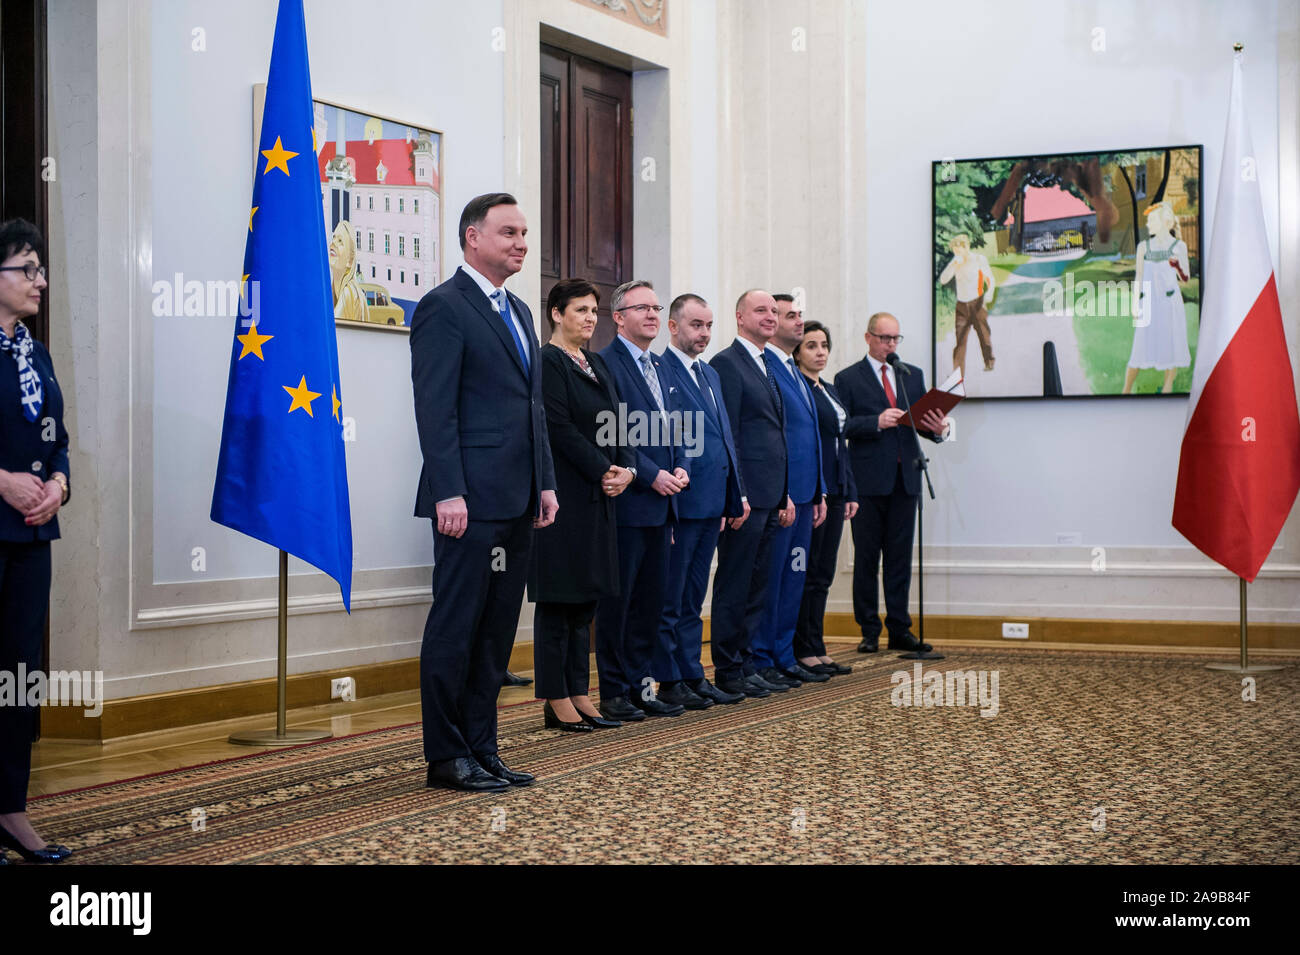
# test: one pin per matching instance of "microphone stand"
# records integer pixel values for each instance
(922, 462)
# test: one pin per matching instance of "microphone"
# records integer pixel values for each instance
(893, 362)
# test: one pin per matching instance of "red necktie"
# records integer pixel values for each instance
(889, 389)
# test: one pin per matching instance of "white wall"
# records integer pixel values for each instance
(970, 80)
(202, 187)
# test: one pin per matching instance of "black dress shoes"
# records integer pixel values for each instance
(905, 641)
(599, 722)
(869, 645)
(805, 675)
(660, 708)
(760, 681)
(831, 669)
(777, 677)
(621, 709)
(513, 679)
(703, 687)
(49, 854)
(492, 763)
(553, 721)
(742, 686)
(463, 773)
(679, 694)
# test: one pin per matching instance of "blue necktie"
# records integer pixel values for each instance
(772, 386)
(704, 388)
(503, 308)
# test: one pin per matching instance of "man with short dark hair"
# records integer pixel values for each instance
(487, 481)
(715, 492)
(774, 643)
(627, 625)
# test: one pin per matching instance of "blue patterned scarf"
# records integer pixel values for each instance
(20, 346)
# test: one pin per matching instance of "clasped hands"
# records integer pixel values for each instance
(669, 484)
(615, 481)
(38, 500)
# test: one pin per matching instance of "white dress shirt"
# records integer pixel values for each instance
(754, 352)
(490, 291)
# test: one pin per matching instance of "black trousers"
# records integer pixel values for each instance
(561, 649)
(24, 598)
(885, 524)
(823, 553)
(478, 590)
(739, 588)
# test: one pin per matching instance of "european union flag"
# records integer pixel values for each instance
(281, 476)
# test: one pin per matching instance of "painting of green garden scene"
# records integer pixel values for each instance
(1068, 275)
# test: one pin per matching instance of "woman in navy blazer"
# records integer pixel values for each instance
(811, 354)
(33, 486)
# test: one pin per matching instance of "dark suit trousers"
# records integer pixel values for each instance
(823, 553)
(562, 649)
(681, 630)
(628, 625)
(739, 586)
(885, 524)
(24, 597)
(477, 595)
(773, 645)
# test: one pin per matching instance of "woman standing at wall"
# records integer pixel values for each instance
(33, 486)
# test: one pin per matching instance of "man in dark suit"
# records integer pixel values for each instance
(756, 414)
(715, 492)
(487, 481)
(627, 625)
(884, 452)
(774, 643)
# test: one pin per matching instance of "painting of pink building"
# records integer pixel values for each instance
(384, 179)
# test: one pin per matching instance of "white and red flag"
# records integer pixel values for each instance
(1239, 470)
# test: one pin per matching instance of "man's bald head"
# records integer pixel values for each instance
(756, 316)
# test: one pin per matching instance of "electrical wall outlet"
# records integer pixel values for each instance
(344, 688)
(1016, 631)
(1069, 538)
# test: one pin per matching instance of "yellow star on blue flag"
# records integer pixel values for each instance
(282, 478)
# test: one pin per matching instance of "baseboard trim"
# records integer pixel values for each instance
(161, 711)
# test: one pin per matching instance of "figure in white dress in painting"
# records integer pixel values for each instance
(1159, 319)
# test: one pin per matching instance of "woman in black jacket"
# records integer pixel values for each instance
(811, 354)
(575, 560)
(33, 486)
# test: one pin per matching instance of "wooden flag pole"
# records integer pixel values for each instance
(282, 735)
(1244, 666)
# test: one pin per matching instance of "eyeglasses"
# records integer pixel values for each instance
(30, 270)
(889, 338)
(641, 309)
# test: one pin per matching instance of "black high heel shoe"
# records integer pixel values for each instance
(49, 854)
(553, 722)
(599, 722)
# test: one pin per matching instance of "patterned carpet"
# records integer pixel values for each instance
(1091, 757)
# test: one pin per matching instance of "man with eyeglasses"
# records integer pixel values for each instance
(627, 625)
(883, 452)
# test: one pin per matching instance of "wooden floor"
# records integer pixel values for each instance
(61, 765)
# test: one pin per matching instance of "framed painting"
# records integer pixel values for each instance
(381, 191)
(1071, 275)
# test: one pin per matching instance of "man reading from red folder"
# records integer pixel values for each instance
(883, 456)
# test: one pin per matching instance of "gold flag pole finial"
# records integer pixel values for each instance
(1238, 47)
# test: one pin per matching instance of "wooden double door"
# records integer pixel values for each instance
(586, 228)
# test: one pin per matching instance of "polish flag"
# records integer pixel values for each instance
(1239, 471)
